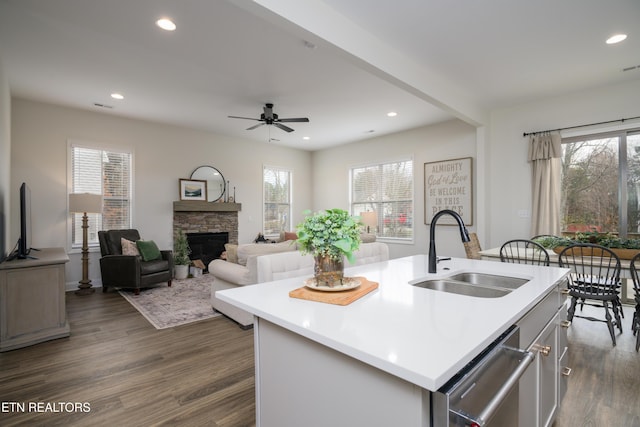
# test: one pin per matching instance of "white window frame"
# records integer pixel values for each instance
(264, 201)
(94, 246)
(398, 240)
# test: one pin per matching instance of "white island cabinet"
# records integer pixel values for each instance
(377, 361)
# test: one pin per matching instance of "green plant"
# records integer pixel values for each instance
(332, 233)
(608, 240)
(181, 249)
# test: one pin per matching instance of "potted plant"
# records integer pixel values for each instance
(624, 248)
(181, 251)
(329, 236)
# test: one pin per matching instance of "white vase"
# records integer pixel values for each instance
(181, 271)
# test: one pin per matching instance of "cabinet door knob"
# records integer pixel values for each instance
(545, 350)
(566, 371)
(565, 323)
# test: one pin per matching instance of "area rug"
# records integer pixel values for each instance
(186, 301)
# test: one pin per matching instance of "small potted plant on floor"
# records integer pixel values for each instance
(329, 236)
(181, 251)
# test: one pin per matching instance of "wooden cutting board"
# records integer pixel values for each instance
(338, 298)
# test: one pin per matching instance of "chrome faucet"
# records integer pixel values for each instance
(464, 234)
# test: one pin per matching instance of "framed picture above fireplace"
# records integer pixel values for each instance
(193, 189)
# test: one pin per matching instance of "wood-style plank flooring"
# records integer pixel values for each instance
(202, 374)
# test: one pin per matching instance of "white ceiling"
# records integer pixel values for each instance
(231, 57)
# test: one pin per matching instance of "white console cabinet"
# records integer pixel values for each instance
(32, 300)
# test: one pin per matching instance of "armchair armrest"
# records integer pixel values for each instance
(168, 256)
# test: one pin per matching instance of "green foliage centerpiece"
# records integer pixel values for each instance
(329, 236)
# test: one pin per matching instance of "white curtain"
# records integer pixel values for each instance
(544, 155)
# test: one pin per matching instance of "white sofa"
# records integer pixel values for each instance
(274, 266)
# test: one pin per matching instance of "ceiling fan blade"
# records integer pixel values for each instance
(283, 127)
(246, 118)
(255, 126)
(296, 120)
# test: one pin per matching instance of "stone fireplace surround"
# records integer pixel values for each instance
(206, 217)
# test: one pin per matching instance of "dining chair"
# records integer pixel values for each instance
(523, 251)
(594, 280)
(472, 248)
(635, 325)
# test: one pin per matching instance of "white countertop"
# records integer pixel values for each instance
(420, 335)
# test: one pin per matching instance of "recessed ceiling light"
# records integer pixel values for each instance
(166, 24)
(616, 38)
(117, 96)
(306, 138)
(392, 114)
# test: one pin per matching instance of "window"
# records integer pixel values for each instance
(277, 200)
(106, 172)
(600, 185)
(386, 189)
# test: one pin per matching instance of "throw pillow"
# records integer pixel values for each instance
(367, 237)
(232, 252)
(148, 250)
(290, 236)
(129, 247)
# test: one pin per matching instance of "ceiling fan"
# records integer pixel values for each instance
(268, 117)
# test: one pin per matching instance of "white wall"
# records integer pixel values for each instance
(5, 158)
(448, 140)
(162, 155)
(509, 176)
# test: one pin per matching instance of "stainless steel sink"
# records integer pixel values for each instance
(462, 288)
(481, 285)
(491, 280)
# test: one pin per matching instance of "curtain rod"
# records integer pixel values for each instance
(580, 126)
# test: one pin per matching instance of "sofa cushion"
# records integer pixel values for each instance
(129, 247)
(232, 252)
(257, 249)
(148, 250)
(154, 266)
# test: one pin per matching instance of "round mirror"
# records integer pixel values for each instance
(215, 181)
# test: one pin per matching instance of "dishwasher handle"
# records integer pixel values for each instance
(501, 394)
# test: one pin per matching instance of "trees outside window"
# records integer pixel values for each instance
(600, 184)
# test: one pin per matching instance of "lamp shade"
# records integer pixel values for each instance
(85, 202)
(370, 219)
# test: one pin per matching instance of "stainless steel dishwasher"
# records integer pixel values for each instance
(485, 392)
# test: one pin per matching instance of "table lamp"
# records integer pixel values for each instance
(369, 219)
(85, 203)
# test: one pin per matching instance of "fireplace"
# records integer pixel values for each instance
(207, 246)
(208, 226)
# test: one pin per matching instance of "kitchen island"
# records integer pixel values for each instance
(377, 360)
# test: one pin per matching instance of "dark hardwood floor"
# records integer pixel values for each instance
(131, 374)
(202, 374)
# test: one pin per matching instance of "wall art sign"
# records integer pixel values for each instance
(448, 184)
(193, 189)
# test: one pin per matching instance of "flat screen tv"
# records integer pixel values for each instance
(24, 243)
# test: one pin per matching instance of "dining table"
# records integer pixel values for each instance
(493, 254)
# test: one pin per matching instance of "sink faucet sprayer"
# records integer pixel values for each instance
(464, 234)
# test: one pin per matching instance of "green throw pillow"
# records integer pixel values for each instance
(148, 250)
